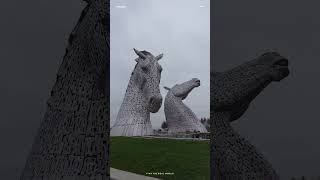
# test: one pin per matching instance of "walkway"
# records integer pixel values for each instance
(117, 174)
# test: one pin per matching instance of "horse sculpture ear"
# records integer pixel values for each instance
(140, 54)
(159, 56)
(165, 87)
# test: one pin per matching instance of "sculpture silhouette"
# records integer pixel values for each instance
(142, 97)
(232, 156)
(73, 140)
(179, 117)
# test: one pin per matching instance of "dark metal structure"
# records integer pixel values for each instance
(233, 157)
(73, 139)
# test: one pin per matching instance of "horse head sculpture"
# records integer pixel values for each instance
(142, 97)
(148, 75)
(233, 90)
(179, 117)
(232, 156)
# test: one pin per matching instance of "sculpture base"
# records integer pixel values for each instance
(185, 130)
(132, 130)
(190, 127)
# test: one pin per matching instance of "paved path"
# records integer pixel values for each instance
(117, 174)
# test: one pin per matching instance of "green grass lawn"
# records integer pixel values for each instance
(186, 159)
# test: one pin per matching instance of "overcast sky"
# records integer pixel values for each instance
(180, 29)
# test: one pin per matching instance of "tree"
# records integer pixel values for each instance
(206, 123)
(164, 125)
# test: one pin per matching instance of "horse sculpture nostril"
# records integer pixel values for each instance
(151, 100)
(155, 100)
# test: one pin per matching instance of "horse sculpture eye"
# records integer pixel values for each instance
(144, 69)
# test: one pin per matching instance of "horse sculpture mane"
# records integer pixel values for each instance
(142, 97)
(232, 156)
(179, 117)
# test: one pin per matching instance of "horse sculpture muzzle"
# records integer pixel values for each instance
(281, 66)
(197, 81)
(155, 103)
